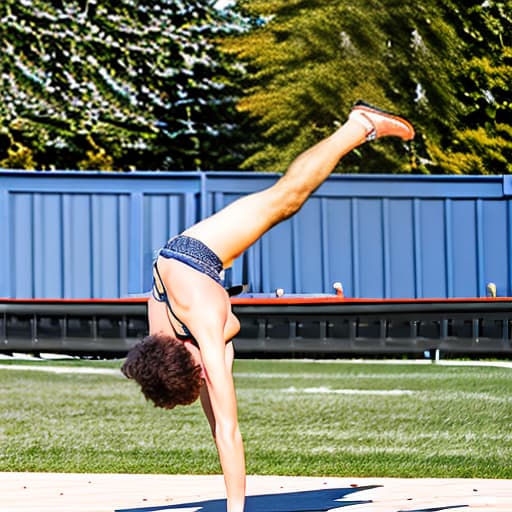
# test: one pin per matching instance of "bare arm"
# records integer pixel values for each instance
(221, 392)
(219, 398)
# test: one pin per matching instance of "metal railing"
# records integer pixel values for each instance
(288, 326)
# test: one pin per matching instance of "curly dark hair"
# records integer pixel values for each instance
(165, 371)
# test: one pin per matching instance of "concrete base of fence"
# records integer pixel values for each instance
(51, 492)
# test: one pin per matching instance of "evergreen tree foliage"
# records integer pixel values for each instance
(437, 62)
(98, 84)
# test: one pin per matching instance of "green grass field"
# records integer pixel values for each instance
(297, 418)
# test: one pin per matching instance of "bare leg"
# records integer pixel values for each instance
(236, 227)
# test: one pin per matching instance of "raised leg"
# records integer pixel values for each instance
(236, 227)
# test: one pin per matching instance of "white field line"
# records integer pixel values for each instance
(496, 364)
(266, 375)
(62, 369)
(397, 362)
(322, 390)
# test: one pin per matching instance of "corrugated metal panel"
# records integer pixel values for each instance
(88, 235)
(382, 237)
(94, 235)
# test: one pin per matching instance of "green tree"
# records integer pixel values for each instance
(481, 141)
(127, 84)
(310, 60)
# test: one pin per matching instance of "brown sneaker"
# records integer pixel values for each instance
(379, 123)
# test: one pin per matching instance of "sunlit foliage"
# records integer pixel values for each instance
(122, 85)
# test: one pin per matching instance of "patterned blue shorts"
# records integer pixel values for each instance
(195, 254)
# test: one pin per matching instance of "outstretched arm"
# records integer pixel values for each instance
(208, 326)
(221, 393)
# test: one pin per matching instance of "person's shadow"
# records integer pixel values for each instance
(303, 501)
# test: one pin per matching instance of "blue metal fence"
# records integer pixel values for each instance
(93, 235)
